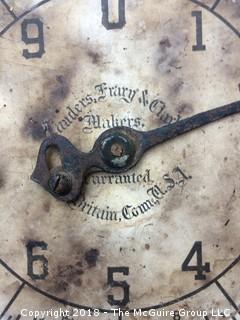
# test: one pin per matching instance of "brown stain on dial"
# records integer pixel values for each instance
(74, 270)
(170, 53)
(68, 274)
(95, 57)
(185, 109)
(91, 257)
(147, 246)
(47, 206)
(62, 90)
(55, 90)
(2, 180)
(37, 125)
(165, 43)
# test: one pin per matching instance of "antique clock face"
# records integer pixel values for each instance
(162, 236)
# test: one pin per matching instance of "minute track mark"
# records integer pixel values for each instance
(227, 296)
(17, 318)
(9, 9)
(16, 19)
(101, 310)
(219, 16)
(216, 4)
(16, 294)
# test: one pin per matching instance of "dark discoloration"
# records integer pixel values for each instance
(61, 286)
(170, 50)
(185, 109)
(55, 90)
(69, 272)
(147, 246)
(165, 43)
(184, 153)
(177, 87)
(2, 180)
(163, 53)
(64, 276)
(57, 87)
(37, 125)
(91, 257)
(62, 90)
(46, 206)
(72, 270)
(94, 56)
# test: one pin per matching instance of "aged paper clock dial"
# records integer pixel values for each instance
(163, 235)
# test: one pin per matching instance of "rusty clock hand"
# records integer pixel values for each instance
(115, 151)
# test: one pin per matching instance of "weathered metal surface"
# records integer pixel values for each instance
(114, 225)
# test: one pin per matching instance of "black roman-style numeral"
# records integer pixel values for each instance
(121, 15)
(199, 46)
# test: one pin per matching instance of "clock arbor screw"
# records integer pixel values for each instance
(60, 183)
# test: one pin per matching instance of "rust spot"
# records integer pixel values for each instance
(91, 257)
(147, 246)
(117, 150)
(185, 109)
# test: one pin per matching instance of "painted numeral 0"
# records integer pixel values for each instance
(38, 39)
(121, 15)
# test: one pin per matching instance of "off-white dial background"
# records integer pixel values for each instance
(152, 52)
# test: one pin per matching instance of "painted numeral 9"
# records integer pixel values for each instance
(38, 39)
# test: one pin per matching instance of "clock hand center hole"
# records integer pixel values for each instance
(117, 150)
